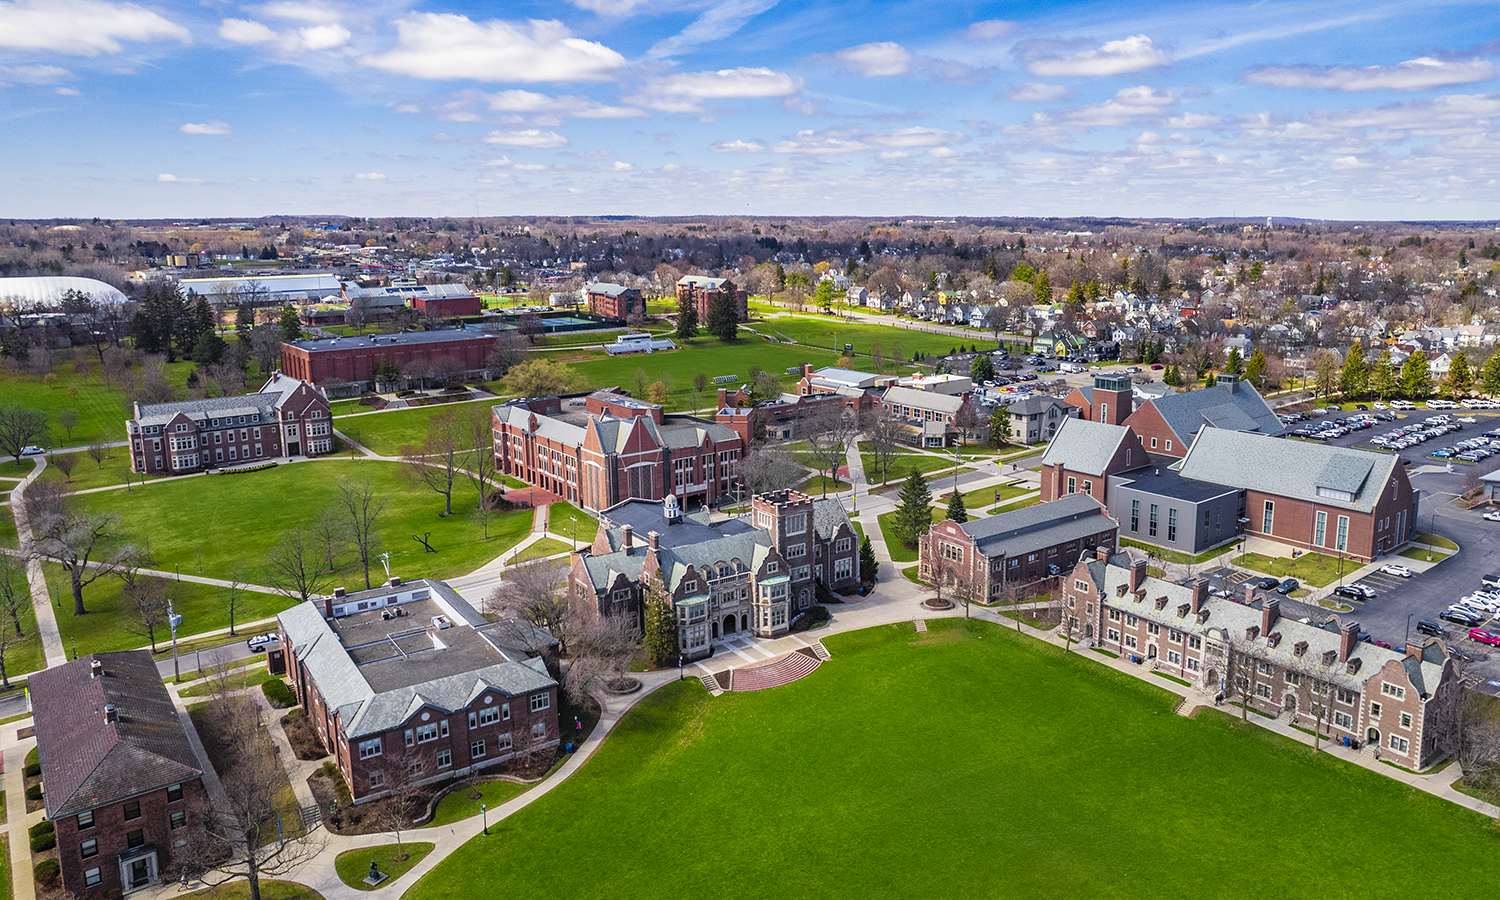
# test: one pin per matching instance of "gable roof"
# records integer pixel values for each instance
(1240, 409)
(944, 403)
(86, 762)
(1331, 476)
(1085, 446)
(1044, 525)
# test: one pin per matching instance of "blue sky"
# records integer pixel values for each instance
(657, 107)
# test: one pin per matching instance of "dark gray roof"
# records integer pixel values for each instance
(382, 340)
(1241, 409)
(1158, 477)
(692, 540)
(1331, 476)
(608, 289)
(1037, 403)
(211, 407)
(88, 763)
(1084, 446)
(1044, 525)
(945, 403)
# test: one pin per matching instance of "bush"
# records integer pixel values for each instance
(34, 770)
(43, 842)
(251, 469)
(48, 871)
(279, 694)
(41, 828)
(34, 792)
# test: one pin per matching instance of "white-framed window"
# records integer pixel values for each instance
(444, 758)
(796, 551)
(843, 568)
(377, 778)
(1346, 697)
(1174, 657)
(489, 715)
(89, 848)
(369, 748)
(1114, 635)
(415, 766)
(1343, 720)
(842, 545)
(505, 712)
(1130, 641)
(1081, 586)
(502, 742)
(1262, 689)
(1399, 744)
(541, 701)
(1192, 664)
(796, 524)
(1391, 690)
(538, 731)
(86, 819)
(177, 820)
(476, 749)
(1406, 720)
(1374, 710)
(91, 877)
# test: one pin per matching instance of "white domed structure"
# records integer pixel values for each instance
(46, 291)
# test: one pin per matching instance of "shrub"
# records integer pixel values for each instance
(48, 871)
(34, 770)
(251, 469)
(34, 792)
(279, 694)
(41, 828)
(43, 842)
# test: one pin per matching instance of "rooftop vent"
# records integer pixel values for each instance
(111, 715)
(441, 622)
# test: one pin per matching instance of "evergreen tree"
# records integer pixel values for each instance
(913, 511)
(869, 566)
(244, 319)
(1042, 286)
(1383, 377)
(1000, 433)
(687, 318)
(1416, 380)
(982, 369)
(1235, 364)
(723, 320)
(1165, 286)
(291, 328)
(956, 509)
(660, 633)
(209, 349)
(162, 321)
(1354, 377)
(1460, 380)
(1255, 369)
(1489, 378)
(1171, 376)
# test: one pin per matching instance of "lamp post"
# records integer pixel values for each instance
(174, 620)
(1407, 640)
(484, 818)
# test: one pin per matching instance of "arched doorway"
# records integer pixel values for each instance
(1372, 737)
(728, 625)
(744, 622)
(1211, 680)
(1151, 651)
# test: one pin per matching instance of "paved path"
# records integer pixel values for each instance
(41, 600)
(22, 881)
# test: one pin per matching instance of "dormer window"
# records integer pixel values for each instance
(1299, 648)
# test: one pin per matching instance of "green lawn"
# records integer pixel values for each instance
(902, 463)
(816, 485)
(1437, 541)
(981, 497)
(457, 805)
(8, 537)
(232, 522)
(1174, 556)
(25, 653)
(980, 767)
(1315, 569)
(898, 552)
(110, 625)
(566, 520)
(251, 676)
(102, 409)
(822, 331)
(1423, 554)
(543, 547)
(1012, 507)
(89, 474)
(354, 865)
(386, 432)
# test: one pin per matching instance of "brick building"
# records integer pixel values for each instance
(929, 415)
(1320, 674)
(448, 307)
(1168, 424)
(725, 578)
(287, 417)
(1018, 548)
(607, 447)
(408, 681)
(119, 778)
(614, 301)
(354, 359)
(701, 291)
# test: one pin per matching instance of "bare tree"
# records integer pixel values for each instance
(419, 371)
(357, 316)
(967, 420)
(148, 597)
(76, 540)
(965, 590)
(531, 598)
(15, 596)
(65, 464)
(768, 468)
(475, 428)
(829, 430)
(98, 451)
(405, 796)
(68, 419)
(1313, 689)
(293, 566)
(19, 427)
(265, 347)
(602, 649)
(231, 597)
(364, 508)
(332, 533)
(885, 433)
(436, 462)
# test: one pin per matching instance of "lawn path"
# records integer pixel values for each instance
(41, 600)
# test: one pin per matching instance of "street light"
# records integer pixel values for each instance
(1407, 640)
(174, 620)
(484, 818)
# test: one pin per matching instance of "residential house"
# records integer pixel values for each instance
(1037, 417)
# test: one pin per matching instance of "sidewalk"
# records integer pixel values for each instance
(41, 601)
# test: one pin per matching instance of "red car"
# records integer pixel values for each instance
(1484, 637)
(1157, 367)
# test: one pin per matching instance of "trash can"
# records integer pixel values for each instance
(568, 748)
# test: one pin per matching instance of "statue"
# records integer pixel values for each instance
(374, 872)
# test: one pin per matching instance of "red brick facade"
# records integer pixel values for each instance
(448, 307)
(702, 292)
(280, 422)
(353, 359)
(614, 301)
(158, 821)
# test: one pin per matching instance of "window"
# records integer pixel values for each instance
(489, 715)
(135, 838)
(1262, 690)
(1114, 635)
(843, 545)
(1081, 586)
(1153, 443)
(91, 877)
(1175, 637)
(1264, 668)
(843, 568)
(502, 742)
(377, 779)
(1399, 744)
(796, 524)
(415, 767)
(369, 748)
(444, 758)
(86, 819)
(1114, 615)
(1169, 445)
(1135, 515)
(541, 701)
(1320, 529)
(1192, 664)
(1345, 696)
(1406, 720)
(950, 552)
(174, 793)
(505, 712)
(1132, 621)
(1343, 720)
(177, 820)
(1374, 710)
(411, 741)
(476, 749)
(538, 731)
(427, 733)
(796, 551)
(772, 568)
(132, 810)
(89, 848)
(1151, 529)
(1072, 484)
(1174, 657)
(1088, 488)
(1293, 678)
(1195, 642)
(1391, 690)
(1171, 525)
(1343, 538)
(1268, 518)
(1130, 641)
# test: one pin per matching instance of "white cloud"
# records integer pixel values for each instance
(214, 127)
(942, 152)
(1034, 92)
(444, 46)
(530, 137)
(611, 7)
(1419, 74)
(1194, 120)
(323, 37)
(529, 167)
(1132, 54)
(173, 179)
(66, 91)
(34, 74)
(1445, 116)
(1119, 110)
(290, 43)
(1350, 162)
(518, 101)
(622, 166)
(686, 91)
(498, 161)
(850, 139)
(82, 27)
(989, 30)
(869, 60)
(719, 21)
(312, 13)
(244, 31)
(369, 176)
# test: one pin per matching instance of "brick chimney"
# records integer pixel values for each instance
(1249, 592)
(395, 581)
(723, 398)
(653, 540)
(1348, 637)
(96, 668)
(627, 539)
(111, 715)
(338, 594)
(1269, 614)
(1101, 553)
(1200, 593)
(1137, 574)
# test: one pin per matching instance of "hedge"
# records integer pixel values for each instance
(34, 792)
(41, 828)
(34, 770)
(43, 842)
(48, 871)
(261, 468)
(278, 693)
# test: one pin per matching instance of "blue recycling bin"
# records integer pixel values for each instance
(568, 748)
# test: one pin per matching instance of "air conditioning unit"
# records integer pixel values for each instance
(441, 622)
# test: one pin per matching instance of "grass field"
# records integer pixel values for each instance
(981, 497)
(903, 463)
(387, 432)
(822, 331)
(8, 537)
(1011, 507)
(898, 552)
(544, 547)
(24, 654)
(1315, 569)
(111, 625)
(457, 805)
(354, 865)
(232, 522)
(982, 766)
(567, 520)
(89, 474)
(1173, 556)
(102, 408)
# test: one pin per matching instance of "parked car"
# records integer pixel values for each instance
(1485, 637)
(1460, 617)
(263, 642)
(1268, 584)
(1396, 570)
(32, 450)
(1430, 628)
(1492, 516)
(1365, 589)
(1157, 367)
(1286, 587)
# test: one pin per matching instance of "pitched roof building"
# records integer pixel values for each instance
(1017, 549)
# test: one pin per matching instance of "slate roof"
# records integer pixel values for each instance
(693, 540)
(945, 403)
(1241, 410)
(374, 692)
(1044, 525)
(1288, 468)
(1085, 446)
(1035, 404)
(88, 763)
(211, 407)
(702, 282)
